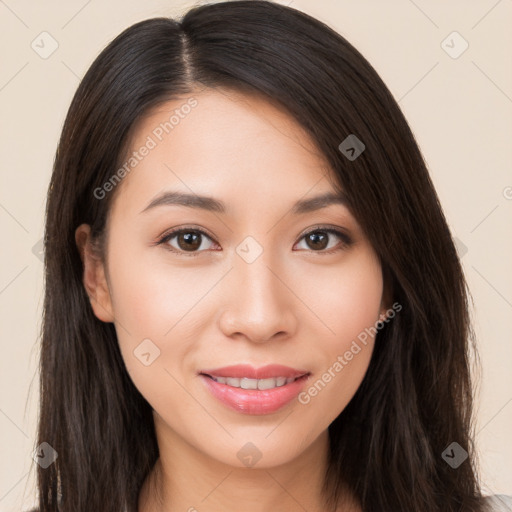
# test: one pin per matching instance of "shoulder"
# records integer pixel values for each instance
(499, 503)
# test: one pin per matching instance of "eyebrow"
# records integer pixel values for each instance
(211, 204)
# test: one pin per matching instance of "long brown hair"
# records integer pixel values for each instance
(416, 398)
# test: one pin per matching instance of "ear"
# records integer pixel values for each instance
(94, 279)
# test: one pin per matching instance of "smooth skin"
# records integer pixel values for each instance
(299, 303)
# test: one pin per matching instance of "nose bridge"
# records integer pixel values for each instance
(259, 285)
(259, 305)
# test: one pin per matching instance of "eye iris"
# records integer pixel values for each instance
(316, 237)
(190, 241)
(188, 237)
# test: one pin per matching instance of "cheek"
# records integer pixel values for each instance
(160, 310)
(150, 304)
(345, 300)
(349, 305)
(355, 299)
(151, 297)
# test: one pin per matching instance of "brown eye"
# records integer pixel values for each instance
(319, 239)
(192, 241)
(187, 240)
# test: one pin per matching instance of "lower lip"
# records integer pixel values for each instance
(255, 401)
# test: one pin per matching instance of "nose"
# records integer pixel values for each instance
(259, 303)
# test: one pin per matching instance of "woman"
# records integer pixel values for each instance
(253, 301)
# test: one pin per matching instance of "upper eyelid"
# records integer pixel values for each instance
(342, 233)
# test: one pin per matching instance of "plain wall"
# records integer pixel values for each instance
(460, 110)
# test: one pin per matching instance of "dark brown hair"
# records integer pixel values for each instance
(416, 397)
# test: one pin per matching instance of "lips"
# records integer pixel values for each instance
(250, 390)
(254, 401)
(241, 371)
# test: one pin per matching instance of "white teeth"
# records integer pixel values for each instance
(249, 383)
(261, 384)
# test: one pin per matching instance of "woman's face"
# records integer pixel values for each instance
(243, 284)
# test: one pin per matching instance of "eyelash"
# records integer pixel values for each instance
(345, 243)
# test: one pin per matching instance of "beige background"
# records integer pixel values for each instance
(460, 110)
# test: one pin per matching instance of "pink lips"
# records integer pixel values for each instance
(255, 401)
(265, 372)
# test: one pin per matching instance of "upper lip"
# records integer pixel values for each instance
(249, 372)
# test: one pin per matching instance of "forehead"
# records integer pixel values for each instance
(225, 144)
(220, 119)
